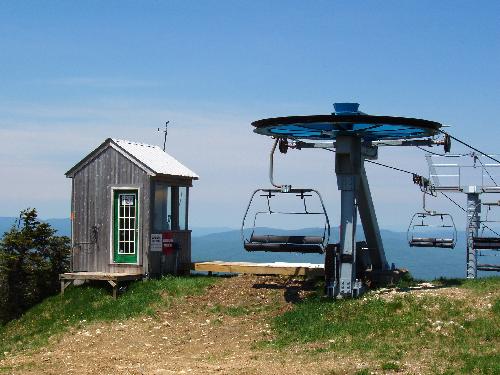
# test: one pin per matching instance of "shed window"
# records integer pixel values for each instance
(183, 207)
(170, 207)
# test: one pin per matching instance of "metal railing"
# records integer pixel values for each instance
(461, 172)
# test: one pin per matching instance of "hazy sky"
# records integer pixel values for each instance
(75, 73)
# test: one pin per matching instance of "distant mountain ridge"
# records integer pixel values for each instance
(423, 263)
(220, 243)
(63, 226)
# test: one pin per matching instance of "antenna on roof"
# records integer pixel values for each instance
(166, 132)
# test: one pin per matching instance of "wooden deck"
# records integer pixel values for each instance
(277, 268)
(113, 278)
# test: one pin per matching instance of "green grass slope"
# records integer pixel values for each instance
(454, 328)
(87, 304)
(453, 334)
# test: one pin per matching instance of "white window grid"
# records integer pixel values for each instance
(126, 225)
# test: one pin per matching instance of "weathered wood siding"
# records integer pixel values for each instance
(183, 239)
(91, 206)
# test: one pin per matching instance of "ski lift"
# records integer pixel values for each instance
(303, 243)
(487, 242)
(420, 231)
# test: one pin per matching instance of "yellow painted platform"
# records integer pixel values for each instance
(276, 268)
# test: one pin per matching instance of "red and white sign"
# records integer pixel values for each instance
(167, 243)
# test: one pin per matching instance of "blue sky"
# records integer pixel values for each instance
(75, 73)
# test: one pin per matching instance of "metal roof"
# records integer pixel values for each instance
(155, 158)
(151, 158)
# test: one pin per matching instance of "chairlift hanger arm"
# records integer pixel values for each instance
(429, 142)
(497, 203)
(283, 188)
(369, 150)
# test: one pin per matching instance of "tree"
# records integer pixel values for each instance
(31, 259)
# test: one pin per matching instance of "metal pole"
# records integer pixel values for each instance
(165, 137)
(271, 165)
(347, 168)
(473, 222)
(370, 223)
(348, 215)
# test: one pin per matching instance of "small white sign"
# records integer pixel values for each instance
(156, 242)
(128, 200)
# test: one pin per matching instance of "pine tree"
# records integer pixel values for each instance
(31, 259)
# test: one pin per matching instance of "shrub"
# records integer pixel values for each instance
(31, 259)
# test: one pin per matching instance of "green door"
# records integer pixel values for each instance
(125, 226)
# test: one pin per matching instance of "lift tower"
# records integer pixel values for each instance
(354, 136)
(468, 174)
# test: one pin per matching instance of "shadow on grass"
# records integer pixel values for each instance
(443, 282)
(295, 291)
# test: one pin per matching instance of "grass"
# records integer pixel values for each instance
(230, 310)
(452, 335)
(387, 366)
(443, 335)
(239, 310)
(86, 304)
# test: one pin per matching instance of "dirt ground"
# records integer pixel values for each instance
(196, 335)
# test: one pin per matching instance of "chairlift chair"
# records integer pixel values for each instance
(486, 243)
(483, 242)
(285, 243)
(422, 220)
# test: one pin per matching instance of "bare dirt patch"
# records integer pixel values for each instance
(215, 333)
(212, 333)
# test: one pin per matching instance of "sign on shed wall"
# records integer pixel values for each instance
(156, 242)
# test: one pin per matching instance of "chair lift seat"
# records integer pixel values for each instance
(487, 243)
(273, 243)
(446, 243)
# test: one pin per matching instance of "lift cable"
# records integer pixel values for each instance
(438, 154)
(479, 160)
(445, 195)
(381, 164)
(471, 147)
(391, 167)
(464, 210)
(487, 227)
(431, 152)
(454, 202)
(416, 174)
(488, 173)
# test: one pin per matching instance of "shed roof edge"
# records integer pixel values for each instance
(107, 143)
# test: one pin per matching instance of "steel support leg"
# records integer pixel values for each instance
(473, 222)
(348, 214)
(347, 168)
(370, 223)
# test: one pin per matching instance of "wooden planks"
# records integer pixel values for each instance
(114, 276)
(277, 268)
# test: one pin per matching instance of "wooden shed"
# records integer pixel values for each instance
(129, 211)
